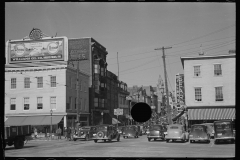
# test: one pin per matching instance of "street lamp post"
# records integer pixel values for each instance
(51, 111)
(102, 117)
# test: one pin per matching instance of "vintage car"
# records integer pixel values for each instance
(130, 131)
(210, 129)
(199, 132)
(156, 132)
(85, 133)
(176, 132)
(106, 132)
(224, 131)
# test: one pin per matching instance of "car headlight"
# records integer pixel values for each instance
(165, 132)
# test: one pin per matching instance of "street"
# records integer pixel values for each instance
(131, 147)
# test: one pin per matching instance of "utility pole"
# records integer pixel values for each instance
(165, 75)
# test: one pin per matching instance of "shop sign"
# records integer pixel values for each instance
(32, 51)
(118, 111)
(179, 88)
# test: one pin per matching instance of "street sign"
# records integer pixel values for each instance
(118, 111)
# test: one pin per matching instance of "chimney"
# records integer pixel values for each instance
(232, 51)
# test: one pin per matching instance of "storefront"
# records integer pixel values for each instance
(209, 114)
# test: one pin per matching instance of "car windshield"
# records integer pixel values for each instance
(223, 126)
(197, 128)
(173, 127)
(101, 127)
(155, 127)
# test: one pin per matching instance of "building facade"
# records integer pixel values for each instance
(210, 87)
(122, 102)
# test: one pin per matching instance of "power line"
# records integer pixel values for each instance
(204, 35)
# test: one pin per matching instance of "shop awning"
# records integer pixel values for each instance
(115, 121)
(211, 114)
(32, 120)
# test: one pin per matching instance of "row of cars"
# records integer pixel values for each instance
(219, 130)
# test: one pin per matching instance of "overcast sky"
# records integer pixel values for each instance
(134, 30)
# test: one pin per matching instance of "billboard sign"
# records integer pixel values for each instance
(21, 51)
(177, 88)
(118, 111)
(79, 49)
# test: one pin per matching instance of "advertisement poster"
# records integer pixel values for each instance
(79, 49)
(31, 51)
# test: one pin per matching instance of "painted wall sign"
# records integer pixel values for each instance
(41, 50)
(78, 49)
(179, 88)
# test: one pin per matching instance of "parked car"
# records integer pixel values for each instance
(85, 133)
(156, 132)
(224, 131)
(199, 132)
(210, 129)
(130, 131)
(176, 132)
(120, 129)
(106, 132)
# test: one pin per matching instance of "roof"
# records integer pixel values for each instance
(206, 57)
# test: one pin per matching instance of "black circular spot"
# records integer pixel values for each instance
(141, 112)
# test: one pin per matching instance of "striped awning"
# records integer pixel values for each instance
(211, 113)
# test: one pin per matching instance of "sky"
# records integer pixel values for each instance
(133, 31)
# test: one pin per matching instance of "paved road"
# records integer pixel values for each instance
(132, 147)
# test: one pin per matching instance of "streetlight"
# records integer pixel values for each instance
(102, 116)
(51, 112)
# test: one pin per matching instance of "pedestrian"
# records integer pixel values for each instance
(69, 133)
(72, 132)
(35, 132)
(65, 132)
(59, 133)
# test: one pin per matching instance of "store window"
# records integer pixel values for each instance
(197, 71)
(26, 103)
(39, 82)
(13, 104)
(26, 82)
(13, 83)
(39, 103)
(53, 81)
(219, 94)
(198, 94)
(217, 70)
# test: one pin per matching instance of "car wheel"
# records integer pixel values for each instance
(167, 140)
(183, 140)
(191, 141)
(95, 140)
(186, 140)
(18, 143)
(149, 139)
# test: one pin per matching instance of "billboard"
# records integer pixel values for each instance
(48, 49)
(179, 87)
(79, 49)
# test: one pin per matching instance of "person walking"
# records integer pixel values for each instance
(69, 134)
(65, 132)
(72, 132)
(35, 132)
(59, 133)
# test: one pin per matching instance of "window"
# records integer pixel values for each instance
(75, 103)
(26, 103)
(96, 68)
(198, 94)
(13, 104)
(26, 82)
(219, 94)
(13, 83)
(39, 103)
(217, 69)
(197, 71)
(95, 102)
(70, 102)
(102, 71)
(53, 102)
(53, 81)
(39, 82)
(80, 85)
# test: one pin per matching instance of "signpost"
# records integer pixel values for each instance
(117, 112)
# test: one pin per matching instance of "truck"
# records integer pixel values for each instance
(16, 135)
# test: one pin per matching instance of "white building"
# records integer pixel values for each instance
(210, 87)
